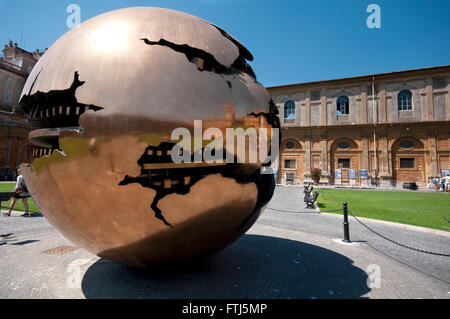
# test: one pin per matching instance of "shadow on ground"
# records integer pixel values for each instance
(253, 267)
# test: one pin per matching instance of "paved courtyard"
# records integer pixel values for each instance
(290, 252)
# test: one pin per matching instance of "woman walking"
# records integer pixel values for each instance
(20, 191)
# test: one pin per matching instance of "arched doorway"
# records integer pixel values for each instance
(344, 162)
(408, 161)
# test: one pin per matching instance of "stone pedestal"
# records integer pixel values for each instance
(307, 179)
(324, 180)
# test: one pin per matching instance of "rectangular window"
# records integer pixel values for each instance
(439, 84)
(315, 95)
(289, 164)
(344, 163)
(342, 105)
(407, 163)
(289, 112)
(405, 100)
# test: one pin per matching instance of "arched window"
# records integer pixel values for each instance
(344, 145)
(289, 112)
(342, 105)
(406, 144)
(290, 145)
(405, 100)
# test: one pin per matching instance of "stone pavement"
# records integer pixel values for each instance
(289, 253)
(286, 212)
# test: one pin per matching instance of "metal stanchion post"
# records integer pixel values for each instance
(346, 225)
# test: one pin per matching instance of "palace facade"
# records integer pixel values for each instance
(374, 130)
(15, 66)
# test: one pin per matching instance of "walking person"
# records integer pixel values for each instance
(447, 183)
(436, 184)
(20, 192)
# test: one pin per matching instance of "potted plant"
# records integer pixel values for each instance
(315, 174)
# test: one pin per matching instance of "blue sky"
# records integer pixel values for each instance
(292, 41)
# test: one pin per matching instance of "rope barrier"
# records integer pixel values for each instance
(402, 245)
(289, 211)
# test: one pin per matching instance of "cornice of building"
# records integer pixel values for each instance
(369, 125)
(4, 65)
(358, 79)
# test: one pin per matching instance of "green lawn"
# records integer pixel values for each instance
(9, 187)
(419, 209)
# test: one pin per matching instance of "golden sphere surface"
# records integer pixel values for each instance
(103, 102)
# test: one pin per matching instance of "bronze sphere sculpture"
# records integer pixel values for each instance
(103, 103)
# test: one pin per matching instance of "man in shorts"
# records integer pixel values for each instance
(20, 192)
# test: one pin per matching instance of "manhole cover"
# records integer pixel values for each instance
(61, 250)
